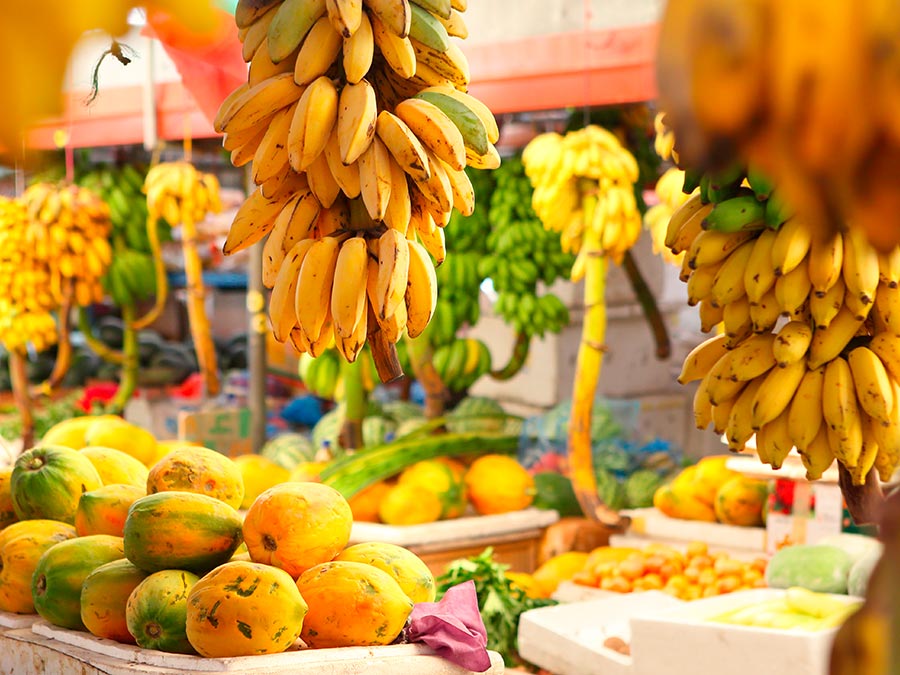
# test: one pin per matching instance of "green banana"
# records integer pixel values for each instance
(427, 29)
(724, 184)
(742, 212)
(441, 8)
(692, 178)
(469, 124)
(777, 212)
(290, 25)
(761, 184)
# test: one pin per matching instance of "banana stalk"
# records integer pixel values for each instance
(421, 356)
(648, 306)
(200, 330)
(19, 377)
(516, 360)
(162, 281)
(64, 346)
(106, 353)
(864, 502)
(356, 404)
(130, 362)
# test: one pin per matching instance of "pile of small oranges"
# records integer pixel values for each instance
(689, 575)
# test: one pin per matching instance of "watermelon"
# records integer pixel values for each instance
(611, 491)
(640, 487)
(329, 427)
(476, 413)
(400, 411)
(376, 430)
(289, 449)
(554, 492)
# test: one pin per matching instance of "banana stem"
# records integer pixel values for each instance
(516, 360)
(864, 502)
(64, 347)
(159, 266)
(648, 306)
(196, 306)
(421, 357)
(355, 402)
(130, 362)
(18, 375)
(106, 353)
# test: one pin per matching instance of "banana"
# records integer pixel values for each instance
(473, 104)
(805, 413)
(421, 290)
(403, 145)
(463, 192)
(427, 29)
(701, 358)
(271, 157)
(817, 456)
(435, 130)
(357, 112)
(312, 300)
(394, 14)
(241, 155)
(857, 307)
(346, 16)
(274, 251)
(345, 176)
(792, 290)
(774, 442)
(397, 51)
(873, 385)
(394, 261)
(721, 414)
(888, 438)
(489, 160)
(281, 302)
(720, 388)
(827, 343)
(739, 428)
(450, 64)
(887, 307)
(437, 189)
(348, 295)
(824, 308)
(326, 336)
(262, 68)
(792, 243)
(776, 392)
(470, 125)
(375, 179)
(702, 407)
(253, 221)
(256, 35)
(700, 283)
(868, 454)
(394, 325)
(322, 181)
(710, 315)
(440, 8)
(889, 267)
(291, 23)
(792, 342)
(737, 322)
(399, 206)
(432, 238)
(459, 5)
(681, 215)
(860, 268)
(887, 347)
(312, 123)
(248, 12)
(841, 412)
(826, 257)
(455, 26)
(334, 220)
(751, 359)
(318, 51)
(728, 285)
(359, 49)
(759, 275)
(259, 103)
(350, 347)
(743, 212)
(711, 247)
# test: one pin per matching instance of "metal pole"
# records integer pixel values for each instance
(256, 345)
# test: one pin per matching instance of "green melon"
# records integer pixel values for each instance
(289, 449)
(476, 413)
(554, 492)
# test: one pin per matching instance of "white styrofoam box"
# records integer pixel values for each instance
(568, 639)
(386, 660)
(652, 523)
(454, 530)
(569, 591)
(682, 641)
(11, 620)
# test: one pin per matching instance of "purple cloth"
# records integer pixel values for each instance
(453, 628)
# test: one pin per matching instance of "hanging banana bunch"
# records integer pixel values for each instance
(357, 126)
(182, 195)
(656, 218)
(584, 189)
(807, 350)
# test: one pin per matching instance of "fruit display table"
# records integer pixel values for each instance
(43, 648)
(515, 538)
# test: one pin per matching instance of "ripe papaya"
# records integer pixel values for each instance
(104, 595)
(199, 470)
(406, 568)
(104, 510)
(19, 557)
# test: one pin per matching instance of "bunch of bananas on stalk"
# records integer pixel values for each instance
(807, 353)
(584, 189)
(521, 253)
(358, 127)
(753, 80)
(322, 376)
(461, 362)
(656, 218)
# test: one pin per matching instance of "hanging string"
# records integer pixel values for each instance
(588, 13)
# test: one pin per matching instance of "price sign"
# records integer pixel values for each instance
(225, 430)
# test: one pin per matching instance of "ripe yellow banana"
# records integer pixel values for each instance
(271, 157)
(824, 308)
(253, 221)
(826, 257)
(451, 64)
(701, 359)
(774, 441)
(455, 25)
(432, 238)
(490, 160)
(701, 405)
(827, 343)
(357, 112)
(346, 16)
(281, 302)
(403, 145)
(728, 285)
(256, 35)
(394, 325)
(397, 51)
(421, 291)
(262, 67)
(274, 251)
(817, 456)
(874, 390)
(776, 392)
(435, 130)
(721, 414)
(350, 347)
(711, 246)
(887, 347)
(295, 223)
(868, 453)
(751, 359)
(719, 387)
(463, 192)
(792, 290)
(312, 301)
(710, 315)
(805, 412)
(857, 307)
(348, 295)
(242, 154)
(736, 321)
(792, 243)
(394, 14)
(399, 206)
(345, 176)
(888, 438)
(312, 123)
(476, 106)
(334, 220)
(700, 283)
(248, 12)
(359, 50)
(318, 52)
(792, 342)
(887, 307)
(739, 428)
(759, 275)
(889, 267)
(860, 268)
(437, 189)
(322, 181)
(375, 179)
(394, 261)
(682, 215)
(841, 412)
(259, 103)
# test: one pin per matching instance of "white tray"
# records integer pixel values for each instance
(681, 641)
(10, 620)
(568, 639)
(455, 530)
(652, 523)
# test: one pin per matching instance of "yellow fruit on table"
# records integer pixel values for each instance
(678, 502)
(200, 470)
(526, 583)
(71, 432)
(307, 471)
(117, 433)
(440, 478)
(116, 467)
(406, 568)
(259, 475)
(104, 510)
(499, 484)
(711, 474)
(409, 505)
(741, 500)
(559, 568)
(7, 512)
(366, 502)
(163, 448)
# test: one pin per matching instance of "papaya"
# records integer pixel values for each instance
(156, 611)
(71, 432)
(406, 568)
(244, 608)
(47, 482)
(682, 504)
(36, 527)
(200, 470)
(62, 569)
(259, 474)
(710, 475)
(557, 569)
(19, 557)
(104, 510)
(498, 484)
(7, 511)
(115, 466)
(295, 526)
(121, 435)
(104, 595)
(164, 447)
(352, 604)
(366, 503)
(441, 479)
(740, 501)
(181, 530)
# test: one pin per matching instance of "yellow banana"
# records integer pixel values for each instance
(857, 307)
(805, 413)
(348, 295)
(489, 160)
(712, 246)
(432, 238)
(435, 130)
(739, 428)
(874, 390)
(720, 388)
(312, 123)
(350, 347)
(887, 347)
(451, 64)
(394, 14)
(274, 251)
(399, 205)
(281, 302)
(751, 359)
(824, 308)
(463, 192)
(860, 269)
(345, 176)
(710, 315)
(394, 260)
(776, 392)
(357, 112)
(437, 189)
(375, 179)
(889, 267)
(759, 275)
(826, 257)
(253, 221)
(322, 181)
(729, 282)
(312, 300)
(700, 283)
(721, 414)
(242, 154)
(827, 343)
(701, 405)
(256, 35)
(841, 412)
(701, 358)
(271, 157)
(792, 290)
(394, 325)
(334, 220)
(888, 438)
(682, 215)
(318, 52)
(346, 16)
(403, 145)
(867, 455)
(455, 25)
(765, 312)
(295, 223)
(736, 321)
(475, 105)
(887, 307)
(421, 290)
(261, 102)
(262, 67)
(792, 342)
(792, 243)
(817, 456)
(776, 440)
(397, 51)
(358, 50)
